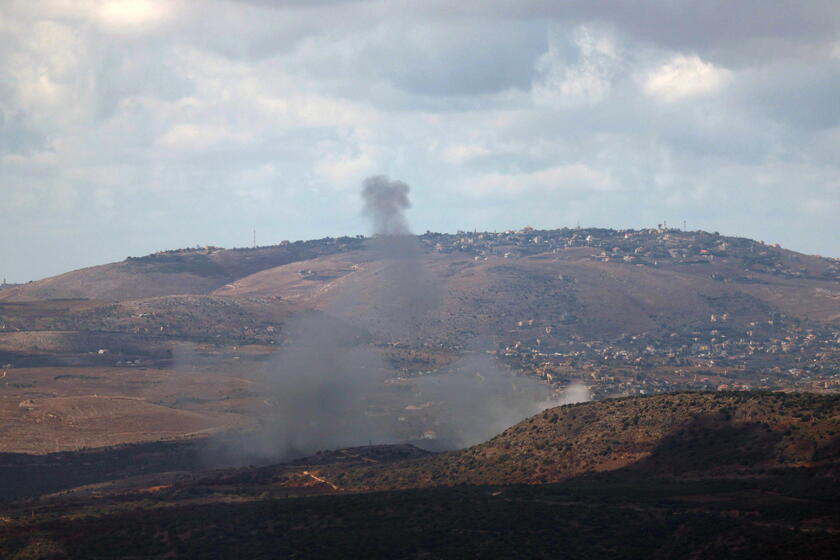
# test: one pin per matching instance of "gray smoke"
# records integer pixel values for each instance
(404, 294)
(319, 385)
(480, 399)
(325, 386)
(477, 398)
(384, 204)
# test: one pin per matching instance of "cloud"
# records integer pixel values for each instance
(626, 115)
(199, 137)
(41, 73)
(561, 177)
(586, 80)
(127, 15)
(821, 206)
(460, 153)
(684, 77)
(346, 170)
(314, 110)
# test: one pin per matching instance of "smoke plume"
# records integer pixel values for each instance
(325, 386)
(384, 203)
(404, 294)
(478, 399)
(319, 385)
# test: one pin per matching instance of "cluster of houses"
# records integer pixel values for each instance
(723, 354)
(644, 247)
(775, 354)
(720, 354)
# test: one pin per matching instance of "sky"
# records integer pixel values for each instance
(128, 127)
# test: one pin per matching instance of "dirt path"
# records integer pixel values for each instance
(322, 480)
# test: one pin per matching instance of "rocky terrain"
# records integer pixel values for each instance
(686, 434)
(723, 475)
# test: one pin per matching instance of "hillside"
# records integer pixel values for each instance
(615, 312)
(680, 436)
(183, 271)
(714, 475)
(578, 283)
(534, 289)
(686, 434)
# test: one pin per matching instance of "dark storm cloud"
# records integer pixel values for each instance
(676, 24)
(463, 59)
(479, 47)
(801, 95)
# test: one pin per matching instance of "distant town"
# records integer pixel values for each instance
(742, 344)
(769, 353)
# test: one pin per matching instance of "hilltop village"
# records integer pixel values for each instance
(535, 321)
(645, 247)
(725, 352)
(774, 355)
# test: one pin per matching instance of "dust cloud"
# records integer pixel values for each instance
(479, 398)
(321, 382)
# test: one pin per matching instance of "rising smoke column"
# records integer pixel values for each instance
(321, 382)
(405, 294)
(384, 204)
(480, 398)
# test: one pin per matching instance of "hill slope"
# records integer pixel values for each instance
(625, 311)
(704, 476)
(708, 434)
(184, 271)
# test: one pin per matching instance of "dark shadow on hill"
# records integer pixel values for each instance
(713, 443)
(24, 475)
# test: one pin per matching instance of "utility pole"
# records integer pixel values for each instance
(255, 239)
